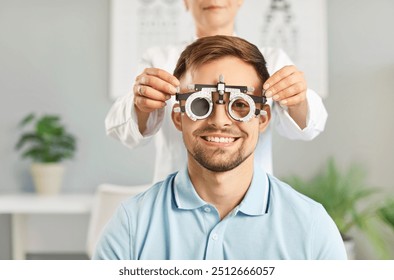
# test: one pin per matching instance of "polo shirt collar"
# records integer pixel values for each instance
(185, 195)
(255, 202)
(257, 198)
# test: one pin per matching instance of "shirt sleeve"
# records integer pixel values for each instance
(121, 121)
(326, 241)
(115, 241)
(284, 123)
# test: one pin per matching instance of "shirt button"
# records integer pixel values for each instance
(215, 236)
(207, 209)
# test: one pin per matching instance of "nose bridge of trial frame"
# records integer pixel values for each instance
(220, 88)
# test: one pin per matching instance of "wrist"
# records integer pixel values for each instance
(142, 119)
(299, 113)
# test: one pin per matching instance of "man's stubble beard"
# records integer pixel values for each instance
(207, 160)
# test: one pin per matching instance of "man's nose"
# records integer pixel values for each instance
(219, 117)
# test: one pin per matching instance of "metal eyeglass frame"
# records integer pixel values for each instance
(205, 91)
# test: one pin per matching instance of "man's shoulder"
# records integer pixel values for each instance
(159, 190)
(309, 218)
(286, 196)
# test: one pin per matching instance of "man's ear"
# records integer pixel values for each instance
(265, 119)
(176, 117)
(186, 5)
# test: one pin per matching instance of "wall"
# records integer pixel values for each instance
(54, 58)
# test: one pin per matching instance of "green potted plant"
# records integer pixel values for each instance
(346, 198)
(47, 144)
(386, 212)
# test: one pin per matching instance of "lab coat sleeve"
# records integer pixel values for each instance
(121, 121)
(283, 122)
(315, 122)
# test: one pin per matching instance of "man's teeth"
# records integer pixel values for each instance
(220, 139)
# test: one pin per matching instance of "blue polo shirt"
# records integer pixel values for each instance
(171, 221)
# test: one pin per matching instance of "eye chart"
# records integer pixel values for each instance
(296, 26)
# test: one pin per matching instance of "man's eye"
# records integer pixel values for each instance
(240, 105)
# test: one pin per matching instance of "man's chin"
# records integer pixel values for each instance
(220, 168)
(219, 160)
(222, 165)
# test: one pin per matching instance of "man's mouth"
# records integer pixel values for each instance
(219, 139)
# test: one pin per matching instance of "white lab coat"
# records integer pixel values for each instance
(121, 121)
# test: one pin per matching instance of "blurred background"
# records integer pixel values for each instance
(55, 58)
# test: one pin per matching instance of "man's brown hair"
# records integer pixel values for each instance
(207, 49)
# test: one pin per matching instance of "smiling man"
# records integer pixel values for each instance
(220, 206)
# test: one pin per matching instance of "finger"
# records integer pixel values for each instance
(150, 93)
(147, 105)
(163, 75)
(282, 92)
(155, 83)
(286, 82)
(293, 100)
(279, 75)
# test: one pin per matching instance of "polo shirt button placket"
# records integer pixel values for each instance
(215, 236)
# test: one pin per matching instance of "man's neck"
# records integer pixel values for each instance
(224, 190)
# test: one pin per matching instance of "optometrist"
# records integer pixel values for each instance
(220, 205)
(136, 118)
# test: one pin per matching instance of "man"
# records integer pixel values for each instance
(136, 118)
(221, 206)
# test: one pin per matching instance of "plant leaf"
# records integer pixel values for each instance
(27, 119)
(28, 137)
(386, 213)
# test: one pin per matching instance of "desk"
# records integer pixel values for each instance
(22, 205)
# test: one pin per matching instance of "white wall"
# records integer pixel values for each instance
(54, 58)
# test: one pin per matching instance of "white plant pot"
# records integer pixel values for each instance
(47, 177)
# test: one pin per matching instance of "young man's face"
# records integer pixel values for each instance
(210, 14)
(220, 143)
